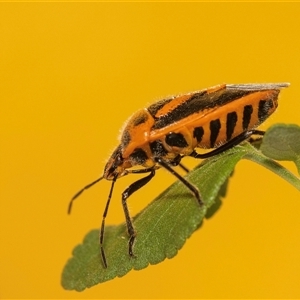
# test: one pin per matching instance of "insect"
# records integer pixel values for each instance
(160, 135)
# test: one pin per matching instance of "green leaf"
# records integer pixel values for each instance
(165, 224)
(282, 142)
(162, 227)
(257, 156)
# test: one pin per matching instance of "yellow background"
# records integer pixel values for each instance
(71, 74)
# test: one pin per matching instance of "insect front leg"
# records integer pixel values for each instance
(230, 144)
(131, 189)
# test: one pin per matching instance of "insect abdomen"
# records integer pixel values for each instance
(223, 123)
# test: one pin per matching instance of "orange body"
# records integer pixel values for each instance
(162, 134)
(203, 119)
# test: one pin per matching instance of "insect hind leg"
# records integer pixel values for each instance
(230, 144)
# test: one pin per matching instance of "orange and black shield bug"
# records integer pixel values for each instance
(160, 135)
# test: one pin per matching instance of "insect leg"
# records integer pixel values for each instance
(177, 162)
(190, 186)
(140, 171)
(230, 144)
(131, 189)
(184, 168)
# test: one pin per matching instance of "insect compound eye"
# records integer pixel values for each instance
(112, 167)
(115, 161)
(118, 161)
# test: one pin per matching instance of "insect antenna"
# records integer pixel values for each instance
(81, 191)
(101, 238)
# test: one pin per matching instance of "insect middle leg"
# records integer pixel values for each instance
(189, 185)
(230, 144)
